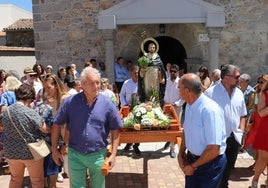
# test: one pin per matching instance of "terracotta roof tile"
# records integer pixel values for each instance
(21, 24)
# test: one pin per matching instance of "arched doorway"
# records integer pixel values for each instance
(171, 51)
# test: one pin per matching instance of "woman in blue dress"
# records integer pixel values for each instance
(51, 169)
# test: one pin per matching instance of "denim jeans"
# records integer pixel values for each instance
(208, 175)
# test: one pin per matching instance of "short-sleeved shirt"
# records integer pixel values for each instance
(234, 107)
(45, 111)
(37, 86)
(120, 73)
(172, 94)
(204, 125)
(129, 87)
(8, 98)
(89, 126)
(28, 122)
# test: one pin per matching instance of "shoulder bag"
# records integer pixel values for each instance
(38, 149)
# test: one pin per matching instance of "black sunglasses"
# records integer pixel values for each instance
(172, 71)
(235, 77)
(260, 82)
(32, 75)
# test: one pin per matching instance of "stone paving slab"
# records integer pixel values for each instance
(155, 169)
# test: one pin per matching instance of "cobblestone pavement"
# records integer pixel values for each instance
(155, 169)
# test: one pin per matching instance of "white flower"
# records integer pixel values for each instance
(145, 115)
(146, 121)
(143, 110)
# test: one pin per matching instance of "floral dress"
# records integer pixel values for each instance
(45, 111)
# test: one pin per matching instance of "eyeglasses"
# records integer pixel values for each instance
(235, 77)
(42, 77)
(260, 82)
(172, 71)
(32, 75)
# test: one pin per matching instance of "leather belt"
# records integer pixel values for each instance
(193, 155)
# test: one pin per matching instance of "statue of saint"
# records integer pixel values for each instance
(152, 77)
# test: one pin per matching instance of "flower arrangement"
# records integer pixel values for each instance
(144, 61)
(146, 115)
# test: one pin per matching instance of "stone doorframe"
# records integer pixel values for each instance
(162, 12)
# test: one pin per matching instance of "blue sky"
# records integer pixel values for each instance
(24, 4)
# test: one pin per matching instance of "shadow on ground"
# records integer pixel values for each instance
(157, 154)
(241, 174)
(118, 180)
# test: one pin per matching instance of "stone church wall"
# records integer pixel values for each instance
(66, 32)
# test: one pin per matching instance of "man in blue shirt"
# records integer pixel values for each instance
(120, 73)
(203, 136)
(90, 117)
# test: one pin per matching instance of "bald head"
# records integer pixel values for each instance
(192, 82)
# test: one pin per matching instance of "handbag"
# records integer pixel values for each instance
(38, 149)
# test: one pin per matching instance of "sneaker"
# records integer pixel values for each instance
(166, 146)
(127, 147)
(172, 154)
(60, 178)
(136, 149)
(254, 184)
(65, 175)
(242, 150)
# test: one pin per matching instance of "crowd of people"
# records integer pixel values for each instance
(243, 119)
(35, 99)
(65, 107)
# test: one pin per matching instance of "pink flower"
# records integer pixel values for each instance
(149, 107)
(137, 127)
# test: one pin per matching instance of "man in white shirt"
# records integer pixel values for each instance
(231, 99)
(76, 73)
(173, 97)
(129, 88)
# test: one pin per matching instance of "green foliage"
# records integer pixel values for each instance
(144, 61)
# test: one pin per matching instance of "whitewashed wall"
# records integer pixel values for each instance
(17, 63)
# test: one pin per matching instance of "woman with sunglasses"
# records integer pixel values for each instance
(253, 122)
(261, 143)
